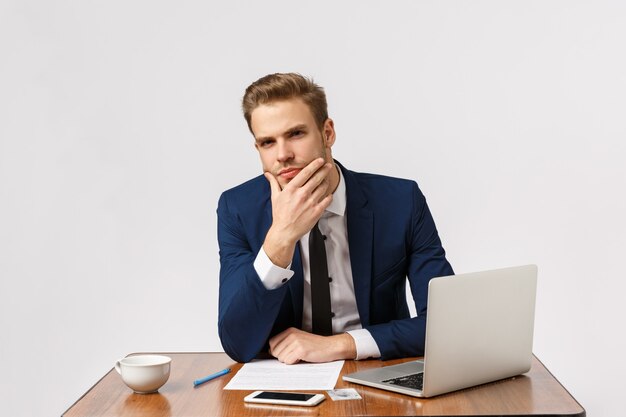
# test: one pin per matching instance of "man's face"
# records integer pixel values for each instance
(288, 139)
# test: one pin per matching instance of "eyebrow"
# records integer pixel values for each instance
(297, 127)
(292, 129)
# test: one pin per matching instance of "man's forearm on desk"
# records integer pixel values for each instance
(247, 309)
(295, 345)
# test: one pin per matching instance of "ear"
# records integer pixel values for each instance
(329, 133)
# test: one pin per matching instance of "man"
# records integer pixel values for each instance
(314, 257)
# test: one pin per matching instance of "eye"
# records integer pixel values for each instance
(266, 143)
(296, 133)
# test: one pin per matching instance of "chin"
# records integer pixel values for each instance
(283, 183)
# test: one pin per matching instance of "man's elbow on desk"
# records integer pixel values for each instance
(241, 352)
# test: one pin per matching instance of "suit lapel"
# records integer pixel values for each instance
(360, 240)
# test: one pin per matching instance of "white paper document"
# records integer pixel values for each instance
(270, 374)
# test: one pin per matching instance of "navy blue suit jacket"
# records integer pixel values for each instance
(391, 236)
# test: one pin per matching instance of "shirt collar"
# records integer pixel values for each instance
(338, 205)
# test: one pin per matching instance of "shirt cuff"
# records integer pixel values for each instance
(271, 276)
(366, 346)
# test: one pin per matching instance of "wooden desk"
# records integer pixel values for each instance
(536, 393)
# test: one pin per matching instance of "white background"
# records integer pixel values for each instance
(120, 126)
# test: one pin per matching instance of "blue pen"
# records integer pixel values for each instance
(210, 377)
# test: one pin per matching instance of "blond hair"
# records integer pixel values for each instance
(277, 87)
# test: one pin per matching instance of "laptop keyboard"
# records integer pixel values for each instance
(415, 381)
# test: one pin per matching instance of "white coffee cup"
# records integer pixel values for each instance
(144, 373)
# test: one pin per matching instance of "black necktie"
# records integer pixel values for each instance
(320, 289)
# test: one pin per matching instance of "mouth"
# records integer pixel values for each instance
(289, 173)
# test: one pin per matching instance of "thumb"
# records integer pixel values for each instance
(274, 185)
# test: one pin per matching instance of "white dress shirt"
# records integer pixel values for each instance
(333, 225)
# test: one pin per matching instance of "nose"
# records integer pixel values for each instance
(284, 151)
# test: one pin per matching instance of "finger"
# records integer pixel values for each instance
(290, 352)
(274, 185)
(278, 339)
(316, 210)
(318, 207)
(280, 348)
(275, 340)
(323, 205)
(320, 192)
(291, 358)
(306, 173)
(318, 178)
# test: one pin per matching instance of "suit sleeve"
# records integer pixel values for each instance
(247, 310)
(426, 259)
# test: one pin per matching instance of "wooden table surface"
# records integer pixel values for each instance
(536, 393)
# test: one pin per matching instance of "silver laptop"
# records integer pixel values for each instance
(479, 329)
